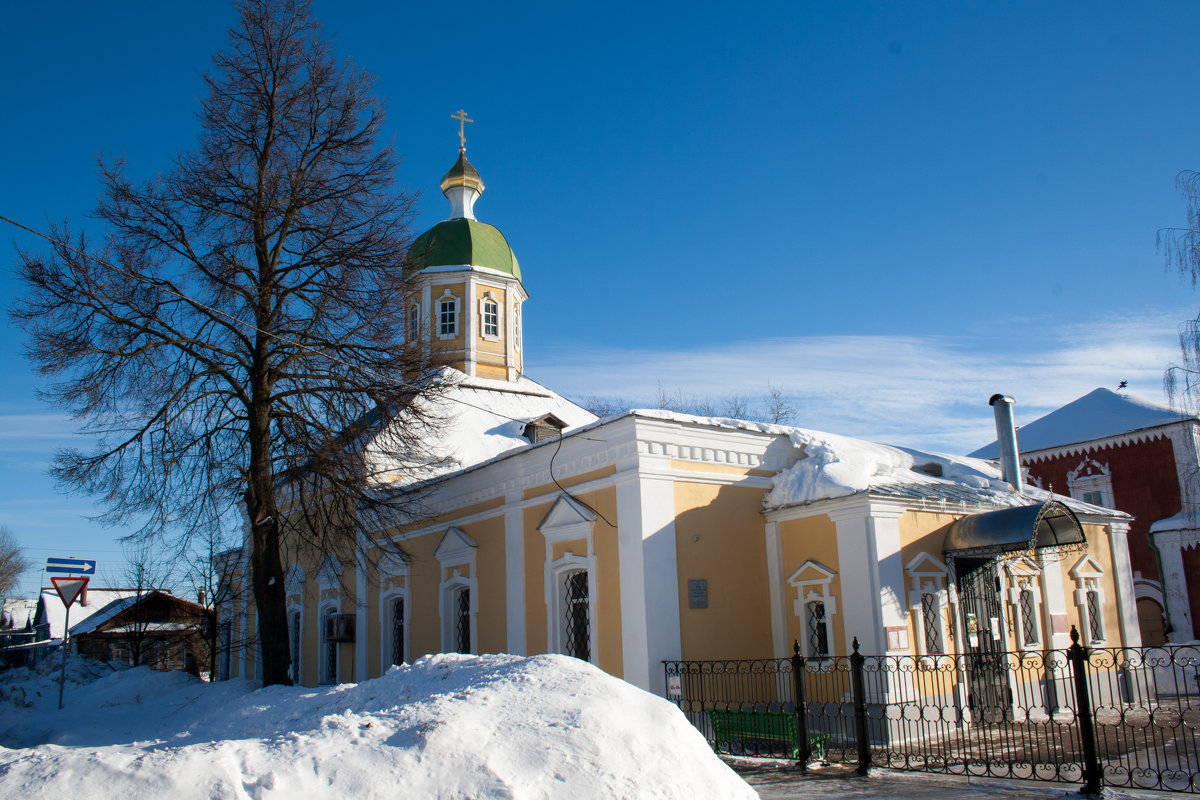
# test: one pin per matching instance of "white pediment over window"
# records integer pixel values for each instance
(1087, 567)
(456, 547)
(393, 564)
(811, 572)
(566, 520)
(293, 582)
(329, 574)
(927, 564)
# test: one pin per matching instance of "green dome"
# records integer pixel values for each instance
(462, 241)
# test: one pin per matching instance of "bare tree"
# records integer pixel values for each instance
(143, 572)
(234, 336)
(1181, 246)
(778, 408)
(12, 561)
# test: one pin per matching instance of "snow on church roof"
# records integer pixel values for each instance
(1097, 415)
(832, 466)
(479, 419)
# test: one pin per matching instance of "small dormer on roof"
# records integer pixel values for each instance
(542, 428)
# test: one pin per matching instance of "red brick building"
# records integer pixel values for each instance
(1123, 452)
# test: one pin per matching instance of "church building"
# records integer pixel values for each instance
(652, 535)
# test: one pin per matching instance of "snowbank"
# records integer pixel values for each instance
(449, 726)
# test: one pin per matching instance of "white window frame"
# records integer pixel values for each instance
(568, 521)
(393, 570)
(456, 552)
(329, 582)
(1099, 480)
(1088, 576)
(928, 574)
(293, 584)
(327, 610)
(414, 322)
(447, 299)
(816, 587)
(484, 302)
(516, 325)
(1025, 574)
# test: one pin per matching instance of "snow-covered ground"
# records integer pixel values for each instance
(451, 726)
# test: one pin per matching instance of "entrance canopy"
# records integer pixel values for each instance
(1048, 525)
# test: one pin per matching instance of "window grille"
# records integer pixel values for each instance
(294, 630)
(225, 645)
(462, 621)
(576, 618)
(414, 322)
(491, 318)
(398, 630)
(1029, 626)
(331, 647)
(818, 633)
(1095, 620)
(929, 616)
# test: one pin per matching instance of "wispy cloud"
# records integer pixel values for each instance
(926, 390)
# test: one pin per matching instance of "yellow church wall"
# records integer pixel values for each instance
(494, 371)
(1099, 547)
(811, 539)
(424, 577)
(720, 469)
(535, 581)
(491, 635)
(609, 655)
(574, 480)
(576, 546)
(719, 538)
(924, 532)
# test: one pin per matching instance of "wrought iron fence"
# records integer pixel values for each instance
(1125, 717)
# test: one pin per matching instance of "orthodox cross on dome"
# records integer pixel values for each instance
(461, 116)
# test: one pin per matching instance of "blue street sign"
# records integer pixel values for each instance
(71, 566)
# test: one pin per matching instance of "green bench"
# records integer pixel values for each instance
(745, 725)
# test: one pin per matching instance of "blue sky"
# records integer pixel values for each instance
(889, 210)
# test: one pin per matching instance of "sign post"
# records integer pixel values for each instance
(69, 590)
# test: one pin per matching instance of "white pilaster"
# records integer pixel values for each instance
(470, 312)
(1054, 600)
(858, 577)
(1170, 552)
(1118, 539)
(775, 578)
(649, 579)
(514, 569)
(360, 608)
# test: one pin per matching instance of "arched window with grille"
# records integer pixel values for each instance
(1089, 599)
(816, 628)
(329, 647)
(397, 626)
(462, 620)
(294, 645)
(576, 615)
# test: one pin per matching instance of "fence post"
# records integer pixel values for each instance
(860, 709)
(801, 707)
(1092, 772)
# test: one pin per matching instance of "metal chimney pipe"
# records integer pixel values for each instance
(1006, 438)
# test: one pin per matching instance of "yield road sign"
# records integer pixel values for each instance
(69, 588)
(71, 566)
